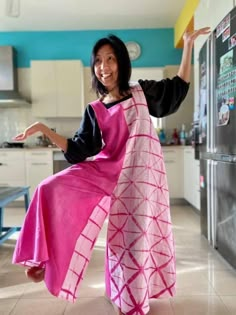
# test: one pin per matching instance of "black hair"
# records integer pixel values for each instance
(123, 61)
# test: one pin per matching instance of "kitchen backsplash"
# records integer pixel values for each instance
(15, 120)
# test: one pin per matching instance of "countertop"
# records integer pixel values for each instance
(37, 148)
(55, 149)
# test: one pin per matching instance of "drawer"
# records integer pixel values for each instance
(170, 154)
(39, 155)
(13, 156)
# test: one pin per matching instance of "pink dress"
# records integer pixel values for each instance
(127, 181)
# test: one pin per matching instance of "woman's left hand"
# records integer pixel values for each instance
(189, 37)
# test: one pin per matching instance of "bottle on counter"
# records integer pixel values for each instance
(162, 136)
(175, 137)
(183, 135)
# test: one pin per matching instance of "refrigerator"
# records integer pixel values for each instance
(217, 137)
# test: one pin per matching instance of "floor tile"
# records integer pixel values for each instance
(6, 305)
(39, 307)
(198, 305)
(89, 306)
(12, 285)
(230, 303)
(224, 282)
(160, 307)
(193, 283)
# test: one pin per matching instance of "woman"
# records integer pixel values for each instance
(126, 179)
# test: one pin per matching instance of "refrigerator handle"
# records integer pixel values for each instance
(213, 208)
(212, 98)
(208, 99)
(208, 200)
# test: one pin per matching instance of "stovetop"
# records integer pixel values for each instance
(8, 145)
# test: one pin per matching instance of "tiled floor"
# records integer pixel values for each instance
(206, 284)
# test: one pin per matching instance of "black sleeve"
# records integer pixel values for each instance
(87, 141)
(164, 97)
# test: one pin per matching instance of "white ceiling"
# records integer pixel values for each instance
(88, 14)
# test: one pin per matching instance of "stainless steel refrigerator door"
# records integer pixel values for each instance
(226, 211)
(225, 90)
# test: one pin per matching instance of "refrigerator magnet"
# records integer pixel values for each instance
(232, 41)
(226, 34)
(223, 115)
(202, 181)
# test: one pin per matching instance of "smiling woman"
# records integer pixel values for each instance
(126, 179)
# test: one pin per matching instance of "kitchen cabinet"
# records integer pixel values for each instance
(39, 165)
(57, 88)
(12, 168)
(173, 158)
(191, 178)
(152, 73)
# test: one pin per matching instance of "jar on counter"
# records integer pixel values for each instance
(175, 137)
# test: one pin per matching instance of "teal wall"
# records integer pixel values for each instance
(157, 45)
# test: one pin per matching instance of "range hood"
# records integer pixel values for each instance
(9, 95)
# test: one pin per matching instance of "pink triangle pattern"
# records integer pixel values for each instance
(140, 247)
(83, 251)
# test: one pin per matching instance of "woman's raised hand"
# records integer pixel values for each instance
(190, 36)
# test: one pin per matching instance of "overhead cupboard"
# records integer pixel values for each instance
(57, 88)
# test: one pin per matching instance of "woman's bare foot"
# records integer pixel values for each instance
(116, 308)
(35, 274)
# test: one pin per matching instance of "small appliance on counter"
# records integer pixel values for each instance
(11, 144)
(44, 141)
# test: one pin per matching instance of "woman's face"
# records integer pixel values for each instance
(106, 67)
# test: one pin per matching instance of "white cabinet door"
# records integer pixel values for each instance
(188, 174)
(39, 165)
(173, 158)
(70, 88)
(44, 89)
(147, 74)
(12, 168)
(57, 88)
(196, 184)
(191, 178)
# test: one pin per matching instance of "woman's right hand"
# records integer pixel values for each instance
(29, 131)
(59, 141)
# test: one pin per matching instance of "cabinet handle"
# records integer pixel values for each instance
(169, 151)
(2, 164)
(39, 153)
(39, 163)
(169, 161)
(4, 185)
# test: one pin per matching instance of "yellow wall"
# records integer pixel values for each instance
(185, 21)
